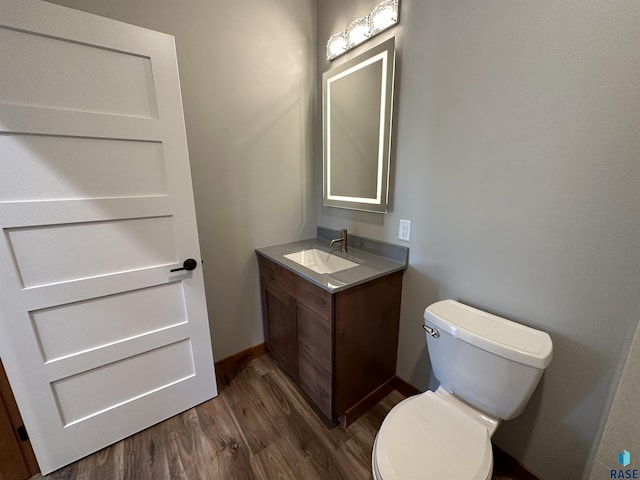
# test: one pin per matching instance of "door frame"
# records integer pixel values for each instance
(17, 460)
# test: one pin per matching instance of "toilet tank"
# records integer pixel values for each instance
(490, 362)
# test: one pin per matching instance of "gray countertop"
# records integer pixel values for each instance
(375, 259)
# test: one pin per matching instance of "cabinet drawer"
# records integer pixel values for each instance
(314, 337)
(316, 383)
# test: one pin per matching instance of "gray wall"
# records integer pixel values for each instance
(247, 71)
(516, 159)
(623, 422)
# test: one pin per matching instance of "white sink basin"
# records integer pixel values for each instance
(320, 261)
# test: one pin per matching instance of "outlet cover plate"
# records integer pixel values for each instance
(404, 233)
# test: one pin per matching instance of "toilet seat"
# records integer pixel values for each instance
(424, 437)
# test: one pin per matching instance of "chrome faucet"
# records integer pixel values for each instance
(342, 239)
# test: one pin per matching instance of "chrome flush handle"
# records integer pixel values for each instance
(431, 331)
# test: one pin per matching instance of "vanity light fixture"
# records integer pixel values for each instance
(383, 16)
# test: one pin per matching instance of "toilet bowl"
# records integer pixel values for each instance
(424, 437)
(488, 368)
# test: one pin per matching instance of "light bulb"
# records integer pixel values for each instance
(358, 31)
(336, 45)
(383, 16)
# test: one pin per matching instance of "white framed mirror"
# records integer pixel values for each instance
(356, 116)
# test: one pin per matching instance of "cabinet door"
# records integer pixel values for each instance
(281, 336)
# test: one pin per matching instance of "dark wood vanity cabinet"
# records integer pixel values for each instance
(339, 348)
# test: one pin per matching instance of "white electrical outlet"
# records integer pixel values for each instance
(405, 230)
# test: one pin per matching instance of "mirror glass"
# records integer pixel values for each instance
(357, 112)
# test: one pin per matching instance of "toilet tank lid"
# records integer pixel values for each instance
(494, 334)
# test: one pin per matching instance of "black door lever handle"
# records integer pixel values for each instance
(188, 264)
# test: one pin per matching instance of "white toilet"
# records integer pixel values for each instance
(488, 367)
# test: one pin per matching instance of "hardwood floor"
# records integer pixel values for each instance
(259, 427)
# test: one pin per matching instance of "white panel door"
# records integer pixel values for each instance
(99, 338)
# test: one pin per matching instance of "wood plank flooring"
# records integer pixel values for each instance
(259, 427)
